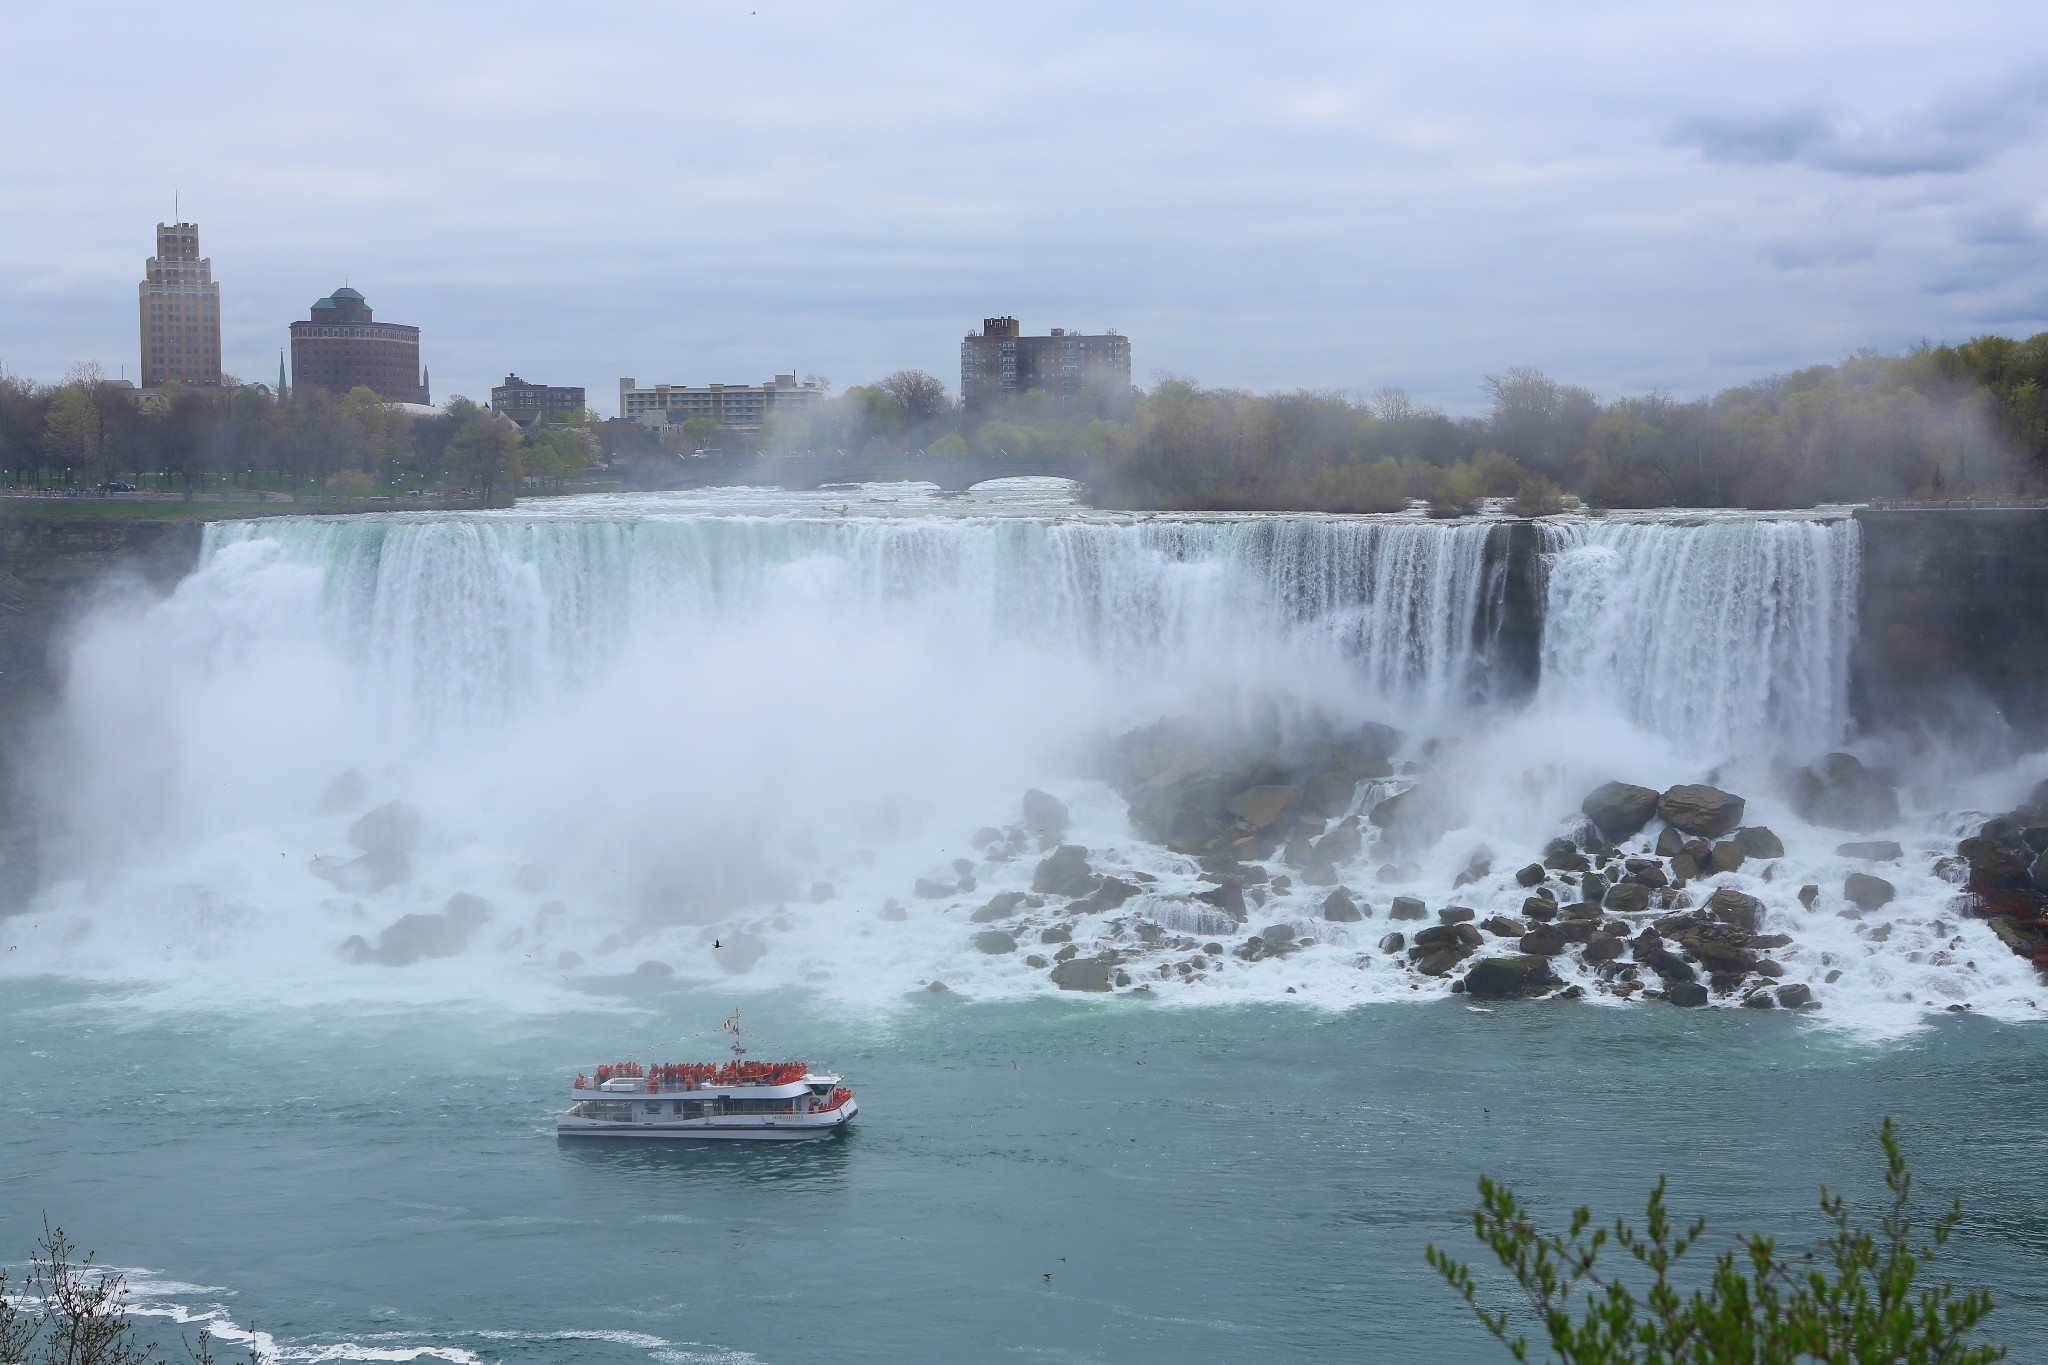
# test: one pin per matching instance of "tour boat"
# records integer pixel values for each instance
(735, 1101)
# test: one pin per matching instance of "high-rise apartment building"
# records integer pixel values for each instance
(180, 311)
(999, 362)
(735, 407)
(341, 346)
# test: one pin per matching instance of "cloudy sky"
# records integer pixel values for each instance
(1262, 195)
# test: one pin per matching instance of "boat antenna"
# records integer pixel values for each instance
(739, 1047)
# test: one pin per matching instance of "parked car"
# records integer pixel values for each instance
(116, 486)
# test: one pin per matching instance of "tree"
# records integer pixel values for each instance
(1849, 1299)
(700, 433)
(921, 396)
(484, 452)
(68, 1312)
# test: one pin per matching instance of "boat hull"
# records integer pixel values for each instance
(710, 1130)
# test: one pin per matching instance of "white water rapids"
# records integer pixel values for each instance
(639, 727)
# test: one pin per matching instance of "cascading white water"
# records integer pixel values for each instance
(673, 725)
(1729, 636)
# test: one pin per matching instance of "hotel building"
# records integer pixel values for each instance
(999, 362)
(180, 311)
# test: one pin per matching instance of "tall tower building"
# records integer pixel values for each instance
(180, 311)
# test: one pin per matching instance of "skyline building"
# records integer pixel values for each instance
(180, 311)
(999, 362)
(735, 407)
(341, 345)
(527, 403)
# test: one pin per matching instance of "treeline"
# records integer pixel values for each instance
(1968, 421)
(86, 432)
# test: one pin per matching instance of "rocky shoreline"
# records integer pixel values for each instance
(1632, 902)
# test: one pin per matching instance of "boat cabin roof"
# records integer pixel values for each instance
(675, 1090)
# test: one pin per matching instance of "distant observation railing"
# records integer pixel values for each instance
(1955, 504)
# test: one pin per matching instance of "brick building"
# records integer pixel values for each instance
(180, 311)
(526, 403)
(735, 407)
(999, 362)
(341, 346)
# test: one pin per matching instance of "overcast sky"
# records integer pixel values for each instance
(1261, 195)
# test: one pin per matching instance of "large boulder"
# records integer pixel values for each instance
(1699, 809)
(1546, 940)
(1339, 907)
(1081, 974)
(1867, 892)
(1838, 792)
(393, 827)
(1065, 872)
(1508, 978)
(1263, 807)
(1758, 841)
(1407, 907)
(1627, 898)
(1341, 844)
(365, 875)
(1619, 811)
(1045, 813)
(994, 942)
(413, 938)
(1419, 816)
(737, 952)
(1737, 908)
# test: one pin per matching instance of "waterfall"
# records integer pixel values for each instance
(1728, 636)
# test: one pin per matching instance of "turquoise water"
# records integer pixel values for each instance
(1052, 1180)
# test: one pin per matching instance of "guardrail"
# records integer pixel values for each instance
(1956, 504)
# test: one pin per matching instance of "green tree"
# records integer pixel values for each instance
(484, 452)
(72, 430)
(1851, 1299)
(700, 433)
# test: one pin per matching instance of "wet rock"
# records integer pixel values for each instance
(1735, 907)
(1645, 872)
(1699, 809)
(1562, 855)
(1758, 841)
(1867, 892)
(1110, 893)
(1298, 851)
(654, 968)
(1064, 872)
(1650, 950)
(1602, 947)
(1593, 887)
(1727, 857)
(1341, 844)
(1456, 914)
(1439, 961)
(1340, 908)
(1057, 933)
(1766, 967)
(1796, 995)
(1808, 894)
(1319, 874)
(994, 942)
(1627, 898)
(1759, 1000)
(1670, 843)
(1509, 978)
(1066, 954)
(393, 827)
(1397, 873)
(1278, 937)
(1477, 870)
(413, 938)
(1393, 943)
(926, 889)
(1996, 864)
(1619, 811)
(1503, 926)
(1840, 793)
(1046, 814)
(1448, 935)
(1723, 959)
(1037, 962)
(365, 875)
(987, 837)
(1227, 896)
(1683, 868)
(1000, 906)
(345, 793)
(1871, 851)
(1408, 907)
(1418, 816)
(1546, 940)
(1540, 909)
(1581, 910)
(1686, 994)
(1263, 807)
(1081, 974)
(1532, 875)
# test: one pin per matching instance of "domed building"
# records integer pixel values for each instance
(340, 346)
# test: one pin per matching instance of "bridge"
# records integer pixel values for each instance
(952, 473)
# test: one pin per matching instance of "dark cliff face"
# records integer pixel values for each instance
(1952, 616)
(49, 566)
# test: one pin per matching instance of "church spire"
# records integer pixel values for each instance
(282, 391)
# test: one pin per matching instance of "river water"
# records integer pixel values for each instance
(648, 731)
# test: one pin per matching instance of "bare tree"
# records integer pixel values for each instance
(920, 395)
(69, 1312)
